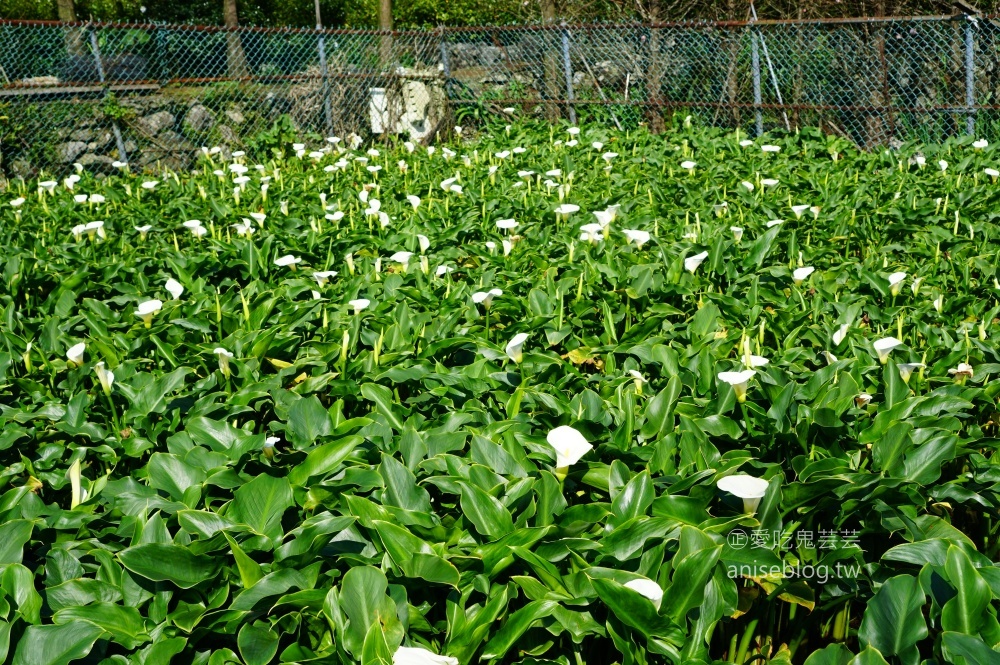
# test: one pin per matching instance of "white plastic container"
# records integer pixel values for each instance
(378, 109)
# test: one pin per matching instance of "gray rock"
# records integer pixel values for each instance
(227, 134)
(172, 140)
(100, 141)
(157, 122)
(22, 168)
(495, 78)
(94, 162)
(67, 153)
(84, 135)
(198, 119)
(235, 117)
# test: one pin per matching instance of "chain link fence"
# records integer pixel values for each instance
(154, 94)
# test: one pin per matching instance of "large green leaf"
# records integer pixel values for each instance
(261, 503)
(56, 645)
(894, 622)
(169, 563)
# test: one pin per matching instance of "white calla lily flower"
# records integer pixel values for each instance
(485, 298)
(648, 589)
(147, 309)
(746, 487)
(896, 282)
(840, 334)
(514, 347)
(800, 275)
(420, 656)
(739, 382)
(691, 263)
(883, 347)
(224, 356)
(323, 276)
(962, 372)
(287, 261)
(570, 446)
(75, 353)
(105, 376)
(359, 304)
(174, 287)
(799, 209)
(640, 238)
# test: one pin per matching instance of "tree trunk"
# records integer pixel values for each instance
(237, 59)
(653, 92)
(385, 24)
(73, 38)
(549, 45)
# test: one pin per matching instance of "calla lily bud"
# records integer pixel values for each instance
(105, 376)
(224, 357)
(896, 282)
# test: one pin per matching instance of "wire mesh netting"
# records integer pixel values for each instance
(154, 94)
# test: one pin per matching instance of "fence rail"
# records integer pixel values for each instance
(98, 93)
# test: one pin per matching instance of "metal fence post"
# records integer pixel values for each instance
(161, 53)
(327, 109)
(445, 63)
(568, 68)
(122, 155)
(970, 76)
(757, 98)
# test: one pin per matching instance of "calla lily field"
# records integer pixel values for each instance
(534, 394)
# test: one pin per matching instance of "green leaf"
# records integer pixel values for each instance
(659, 413)
(324, 459)
(688, 587)
(382, 397)
(376, 649)
(169, 563)
(832, 654)
(307, 421)
(633, 500)
(125, 624)
(401, 487)
(966, 649)
(515, 626)
(362, 598)
(13, 537)
(56, 645)
(633, 609)
(965, 612)
(257, 643)
(171, 474)
(488, 515)
(894, 621)
(261, 503)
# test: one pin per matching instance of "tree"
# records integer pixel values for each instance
(236, 58)
(67, 14)
(385, 23)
